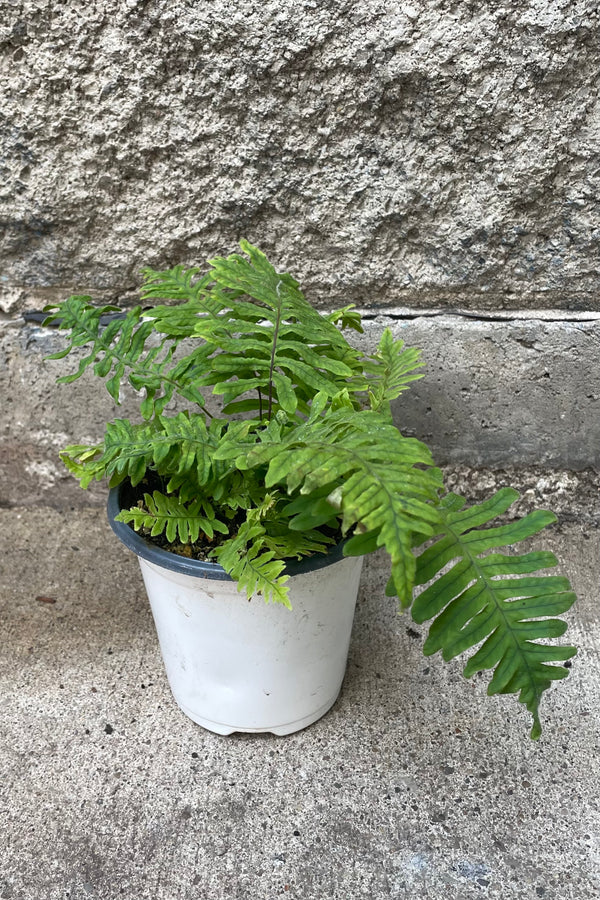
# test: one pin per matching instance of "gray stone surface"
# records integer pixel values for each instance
(431, 152)
(415, 785)
(523, 392)
(494, 393)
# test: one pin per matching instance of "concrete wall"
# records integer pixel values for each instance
(420, 159)
(431, 152)
(519, 391)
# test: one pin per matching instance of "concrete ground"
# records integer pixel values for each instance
(414, 785)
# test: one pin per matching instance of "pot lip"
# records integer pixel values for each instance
(197, 567)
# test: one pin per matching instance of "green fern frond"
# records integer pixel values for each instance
(130, 449)
(308, 511)
(84, 462)
(254, 569)
(391, 370)
(474, 601)
(167, 515)
(179, 283)
(347, 317)
(201, 310)
(377, 486)
(262, 336)
(178, 446)
(119, 350)
(255, 556)
(276, 295)
(278, 343)
(254, 332)
(284, 541)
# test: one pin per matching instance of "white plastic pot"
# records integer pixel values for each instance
(239, 665)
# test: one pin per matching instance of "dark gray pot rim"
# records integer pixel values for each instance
(196, 567)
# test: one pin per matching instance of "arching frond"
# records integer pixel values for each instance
(475, 602)
(181, 445)
(121, 349)
(378, 486)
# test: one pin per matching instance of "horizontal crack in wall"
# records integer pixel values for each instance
(36, 317)
(549, 315)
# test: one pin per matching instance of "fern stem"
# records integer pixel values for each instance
(273, 350)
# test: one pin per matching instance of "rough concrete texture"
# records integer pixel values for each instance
(493, 393)
(415, 785)
(503, 392)
(436, 151)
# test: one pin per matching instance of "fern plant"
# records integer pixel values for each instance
(305, 454)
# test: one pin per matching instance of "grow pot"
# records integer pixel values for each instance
(235, 664)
